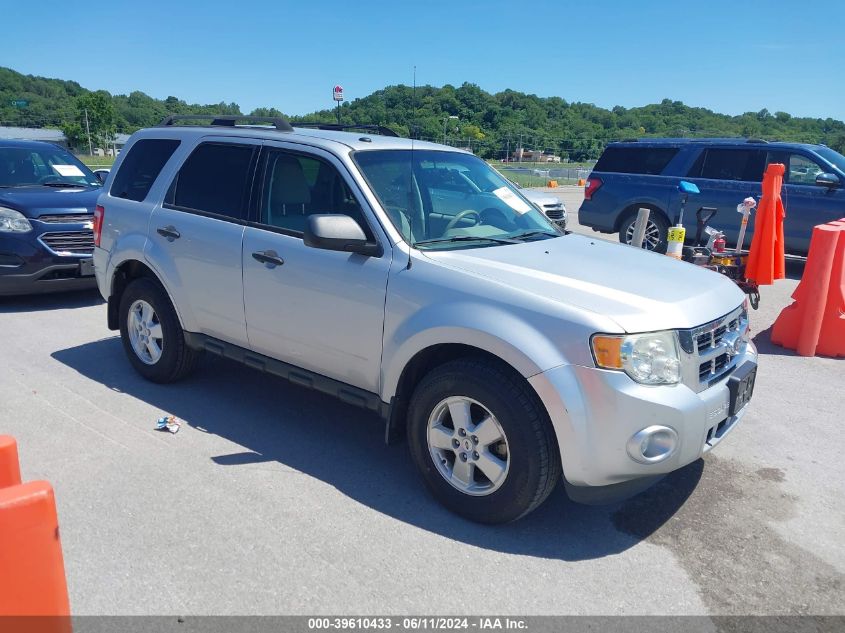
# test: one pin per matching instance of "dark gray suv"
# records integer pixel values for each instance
(646, 173)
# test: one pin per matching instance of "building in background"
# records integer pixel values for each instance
(57, 136)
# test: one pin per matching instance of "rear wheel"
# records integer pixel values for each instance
(482, 441)
(151, 334)
(655, 231)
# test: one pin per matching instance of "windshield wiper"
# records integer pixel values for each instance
(466, 238)
(527, 234)
(58, 183)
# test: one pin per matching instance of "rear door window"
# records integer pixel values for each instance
(730, 164)
(214, 180)
(636, 160)
(141, 167)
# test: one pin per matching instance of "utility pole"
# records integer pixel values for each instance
(445, 121)
(508, 151)
(88, 132)
(519, 151)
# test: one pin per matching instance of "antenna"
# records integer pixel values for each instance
(411, 183)
(414, 100)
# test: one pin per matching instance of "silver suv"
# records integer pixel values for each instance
(506, 352)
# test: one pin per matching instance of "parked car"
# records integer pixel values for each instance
(552, 206)
(47, 200)
(646, 173)
(504, 350)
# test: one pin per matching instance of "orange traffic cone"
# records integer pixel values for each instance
(765, 256)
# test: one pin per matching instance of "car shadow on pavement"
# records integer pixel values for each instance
(275, 421)
(763, 342)
(53, 301)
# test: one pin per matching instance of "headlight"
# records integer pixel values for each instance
(650, 359)
(12, 221)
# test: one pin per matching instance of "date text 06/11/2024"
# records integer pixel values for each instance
(416, 623)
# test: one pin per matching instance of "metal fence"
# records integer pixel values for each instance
(539, 174)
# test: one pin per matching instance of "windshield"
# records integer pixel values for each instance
(28, 166)
(833, 157)
(448, 200)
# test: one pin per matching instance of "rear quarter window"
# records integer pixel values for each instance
(636, 160)
(141, 167)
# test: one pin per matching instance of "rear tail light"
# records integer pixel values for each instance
(99, 215)
(591, 187)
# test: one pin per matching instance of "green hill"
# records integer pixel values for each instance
(488, 123)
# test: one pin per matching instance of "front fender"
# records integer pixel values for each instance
(489, 328)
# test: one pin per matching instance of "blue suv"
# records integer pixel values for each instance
(47, 200)
(646, 173)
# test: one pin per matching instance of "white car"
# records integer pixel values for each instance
(552, 206)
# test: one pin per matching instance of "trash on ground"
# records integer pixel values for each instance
(168, 423)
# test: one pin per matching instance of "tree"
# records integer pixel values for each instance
(472, 132)
(268, 112)
(75, 135)
(99, 109)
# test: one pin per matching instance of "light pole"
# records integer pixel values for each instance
(445, 121)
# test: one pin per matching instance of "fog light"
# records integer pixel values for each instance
(653, 444)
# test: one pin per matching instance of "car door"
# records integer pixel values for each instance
(725, 177)
(195, 235)
(317, 309)
(806, 203)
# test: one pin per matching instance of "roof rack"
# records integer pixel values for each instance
(227, 120)
(756, 140)
(340, 127)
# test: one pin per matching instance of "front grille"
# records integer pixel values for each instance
(710, 351)
(553, 212)
(69, 242)
(66, 218)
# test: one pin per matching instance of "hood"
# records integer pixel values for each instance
(540, 198)
(639, 290)
(36, 201)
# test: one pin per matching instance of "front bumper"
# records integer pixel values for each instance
(28, 267)
(595, 412)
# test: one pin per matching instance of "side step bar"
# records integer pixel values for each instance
(345, 393)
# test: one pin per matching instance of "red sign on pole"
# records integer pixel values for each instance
(338, 93)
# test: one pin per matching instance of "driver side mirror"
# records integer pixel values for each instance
(827, 180)
(336, 232)
(101, 175)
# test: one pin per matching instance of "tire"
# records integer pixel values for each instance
(528, 452)
(656, 229)
(160, 327)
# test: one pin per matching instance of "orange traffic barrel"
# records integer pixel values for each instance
(32, 582)
(10, 469)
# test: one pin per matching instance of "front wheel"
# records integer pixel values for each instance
(482, 441)
(655, 232)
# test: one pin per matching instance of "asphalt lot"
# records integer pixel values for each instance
(275, 500)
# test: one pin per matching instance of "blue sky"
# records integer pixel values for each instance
(729, 56)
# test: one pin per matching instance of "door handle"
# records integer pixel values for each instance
(169, 232)
(271, 258)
